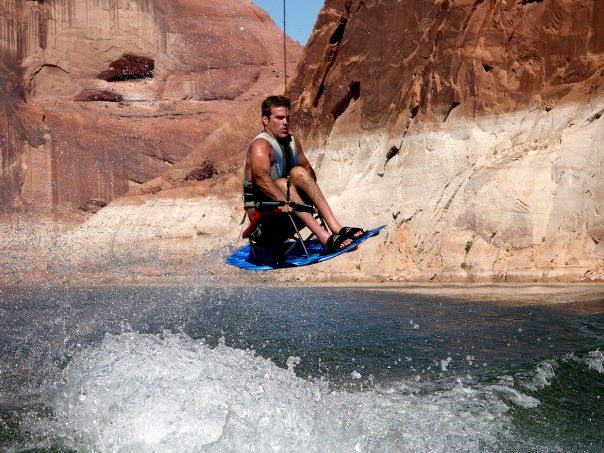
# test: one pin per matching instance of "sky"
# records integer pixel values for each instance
(300, 19)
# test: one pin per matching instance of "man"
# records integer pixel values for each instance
(272, 157)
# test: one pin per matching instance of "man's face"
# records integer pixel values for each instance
(278, 123)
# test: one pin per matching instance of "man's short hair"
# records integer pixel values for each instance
(274, 101)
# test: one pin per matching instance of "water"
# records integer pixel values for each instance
(298, 369)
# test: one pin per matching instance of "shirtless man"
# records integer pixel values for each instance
(273, 156)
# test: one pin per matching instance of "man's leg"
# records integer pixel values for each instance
(301, 179)
(306, 217)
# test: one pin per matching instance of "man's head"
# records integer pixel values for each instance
(275, 116)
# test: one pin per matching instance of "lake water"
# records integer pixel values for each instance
(294, 370)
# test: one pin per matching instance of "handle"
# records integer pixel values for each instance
(295, 206)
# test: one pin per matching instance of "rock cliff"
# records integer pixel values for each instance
(472, 128)
(104, 97)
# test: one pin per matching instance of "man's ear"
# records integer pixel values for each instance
(265, 120)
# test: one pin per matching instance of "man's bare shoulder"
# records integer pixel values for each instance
(260, 146)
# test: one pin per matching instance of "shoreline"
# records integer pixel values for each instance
(586, 297)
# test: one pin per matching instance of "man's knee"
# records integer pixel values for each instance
(281, 183)
(299, 173)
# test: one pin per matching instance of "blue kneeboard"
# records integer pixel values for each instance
(244, 259)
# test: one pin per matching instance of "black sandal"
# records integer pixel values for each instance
(349, 232)
(334, 243)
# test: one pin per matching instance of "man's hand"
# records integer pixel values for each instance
(286, 208)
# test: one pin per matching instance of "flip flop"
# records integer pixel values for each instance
(334, 243)
(349, 232)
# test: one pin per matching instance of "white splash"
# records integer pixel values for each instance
(595, 361)
(544, 373)
(152, 393)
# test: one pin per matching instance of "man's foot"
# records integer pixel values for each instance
(337, 242)
(351, 232)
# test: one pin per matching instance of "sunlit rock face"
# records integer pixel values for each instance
(104, 97)
(472, 128)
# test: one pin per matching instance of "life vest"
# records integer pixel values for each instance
(285, 158)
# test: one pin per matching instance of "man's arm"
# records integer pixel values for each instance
(260, 167)
(303, 161)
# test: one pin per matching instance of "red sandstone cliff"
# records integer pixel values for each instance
(420, 59)
(97, 98)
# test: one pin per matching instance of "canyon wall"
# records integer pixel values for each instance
(471, 128)
(100, 98)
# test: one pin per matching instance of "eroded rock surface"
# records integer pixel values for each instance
(101, 97)
(424, 59)
(470, 127)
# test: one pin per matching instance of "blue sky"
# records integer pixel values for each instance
(301, 16)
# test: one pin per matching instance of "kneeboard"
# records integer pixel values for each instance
(243, 258)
